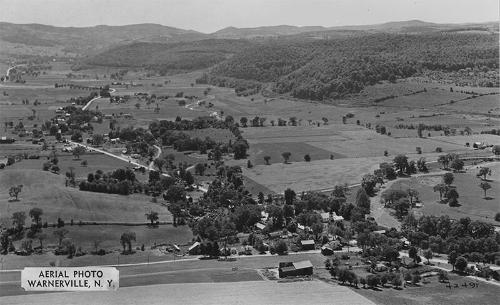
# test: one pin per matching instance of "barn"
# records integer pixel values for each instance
(301, 268)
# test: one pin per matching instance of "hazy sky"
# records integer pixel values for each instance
(211, 15)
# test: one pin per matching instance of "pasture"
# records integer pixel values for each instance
(314, 175)
(95, 161)
(274, 150)
(47, 191)
(472, 202)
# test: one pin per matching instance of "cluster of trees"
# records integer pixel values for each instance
(475, 240)
(400, 200)
(421, 126)
(18, 231)
(52, 163)
(168, 132)
(447, 193)
(157, 128)
(493, 131)
(82, 100)
(372, 280)
(80, 119)
(242, 87)
(120, 181)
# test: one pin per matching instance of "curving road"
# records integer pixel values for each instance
(111, 90)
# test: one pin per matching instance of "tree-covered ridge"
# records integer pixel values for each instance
(321, 69)
(169, 56)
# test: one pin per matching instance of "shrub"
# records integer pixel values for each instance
(439, 149)
(497, 216)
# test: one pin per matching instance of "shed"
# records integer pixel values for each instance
(307, 244)
(325, 217)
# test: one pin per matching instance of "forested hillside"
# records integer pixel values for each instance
(163, 57)
(336, 67)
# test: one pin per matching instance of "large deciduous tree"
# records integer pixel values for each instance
(484, 186)
(152, 216)
(126, 240)
(36, 215)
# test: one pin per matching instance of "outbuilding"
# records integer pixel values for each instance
(302, 268)
(307, 244)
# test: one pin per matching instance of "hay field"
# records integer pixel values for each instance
(47, 191)
(314, 175)
(95, 162)
(251, 293)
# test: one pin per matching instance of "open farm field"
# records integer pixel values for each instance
(95, 162)
(324, 133)
(47, 96)
(483, 104)
(109, 235)
(169, 110)
(298, 151)
(216, 293)
(190, 158)
(216, 134)
(431, 98)
(47, 191)
(274, 108)
(19, 148)
(471, 200)
(19, 112)
(314, 175)
(372, 144)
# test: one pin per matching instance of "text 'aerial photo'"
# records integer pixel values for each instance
(275, 152)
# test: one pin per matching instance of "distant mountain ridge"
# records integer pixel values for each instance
(265, 31)
(82, 39)
(38, 38)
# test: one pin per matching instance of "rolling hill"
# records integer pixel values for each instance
(47, 191)
(265, 31)
(84, 40)
(169, 56)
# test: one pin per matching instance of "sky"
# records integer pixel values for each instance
(211, 15)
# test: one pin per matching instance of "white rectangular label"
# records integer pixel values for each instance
(70, 278)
